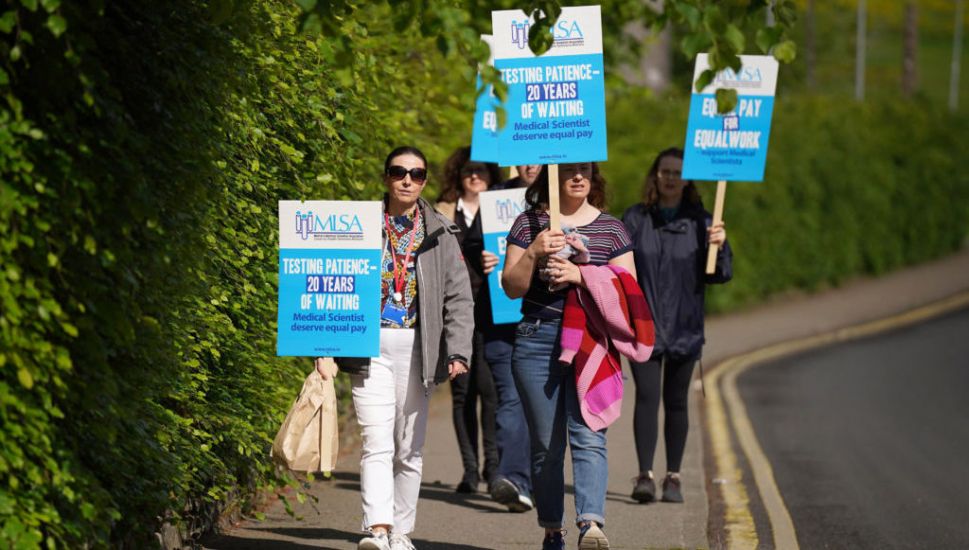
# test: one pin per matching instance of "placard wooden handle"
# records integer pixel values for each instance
(717, 218)
(554, 216)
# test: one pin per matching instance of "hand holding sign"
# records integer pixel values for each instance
(716, 234)
(488, 261)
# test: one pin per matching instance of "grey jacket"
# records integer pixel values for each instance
(444, 304)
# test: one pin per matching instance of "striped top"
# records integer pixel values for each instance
(607, 240)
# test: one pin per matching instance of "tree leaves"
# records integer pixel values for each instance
(705, 79)
(726, 100)
(7, 21)
(721, 28)
(690, 14)
(767, 37)
(786, 51)
(57, 25)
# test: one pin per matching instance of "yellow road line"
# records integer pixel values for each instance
(739, 522)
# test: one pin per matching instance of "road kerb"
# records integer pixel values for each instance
(739, 523)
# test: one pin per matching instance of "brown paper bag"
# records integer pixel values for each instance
(308, 439)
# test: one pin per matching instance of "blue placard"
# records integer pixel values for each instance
(484, 133)
(498, 211)
(503, 309)
(556, 110)
(329, 279)
(732, 146)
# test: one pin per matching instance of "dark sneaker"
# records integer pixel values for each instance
(591, 537)
(645, 489)
(671, 489)
(554, 541)
(469, 483)
(504, 491)
(489, 476)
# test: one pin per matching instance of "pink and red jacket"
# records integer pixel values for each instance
(606, 318)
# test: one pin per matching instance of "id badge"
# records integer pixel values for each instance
(394, 313)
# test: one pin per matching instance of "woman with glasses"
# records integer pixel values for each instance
(464, 179)
(547, 386)
(671, 233)
(425, 338)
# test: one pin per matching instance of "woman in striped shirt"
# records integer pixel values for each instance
(548, 392)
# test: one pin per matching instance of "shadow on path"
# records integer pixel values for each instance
(237, 542)
(350, 481)
(241, 542)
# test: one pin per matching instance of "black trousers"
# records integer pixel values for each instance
(466, 391)
(673, 382)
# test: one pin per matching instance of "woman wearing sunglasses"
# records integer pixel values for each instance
(464, 179)
(671, 233)
(547, 386)
(425, 339)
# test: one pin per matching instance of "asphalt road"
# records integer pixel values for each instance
(869, 440)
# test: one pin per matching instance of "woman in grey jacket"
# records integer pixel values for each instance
(425, 338)
(670, 232)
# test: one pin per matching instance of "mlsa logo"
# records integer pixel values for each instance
(746, 74)
(565, 30)
(562, 30)
(519, 33)
(334, 224)
(507, 210)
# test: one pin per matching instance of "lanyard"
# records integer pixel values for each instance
(400, 274)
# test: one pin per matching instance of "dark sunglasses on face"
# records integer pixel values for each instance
(472, 169)
(417, 175)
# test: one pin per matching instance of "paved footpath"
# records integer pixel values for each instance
(447, 520)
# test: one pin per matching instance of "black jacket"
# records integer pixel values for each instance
(670, 265)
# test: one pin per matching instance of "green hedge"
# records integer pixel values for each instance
(850, 189)
(142, 152)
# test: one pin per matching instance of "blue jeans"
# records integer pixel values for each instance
(512, 432)
(548, 394)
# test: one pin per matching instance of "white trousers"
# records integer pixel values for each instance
(391, 406)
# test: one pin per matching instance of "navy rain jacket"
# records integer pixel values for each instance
(670, 265)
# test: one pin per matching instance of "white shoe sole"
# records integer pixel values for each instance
(369, 544)
(594, 539)
(505, 492)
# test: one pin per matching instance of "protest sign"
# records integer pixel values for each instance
(556, 102)
(484, 133)
(329, 278)
(498, 211)
(731, 146)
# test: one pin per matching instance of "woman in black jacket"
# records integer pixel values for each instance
(671, 233)
(464, 180)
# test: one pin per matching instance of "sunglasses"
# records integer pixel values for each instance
(471, 169)
(417, 175)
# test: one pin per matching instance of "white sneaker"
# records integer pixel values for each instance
(591, 537)
(376, 541)
(401, 542)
